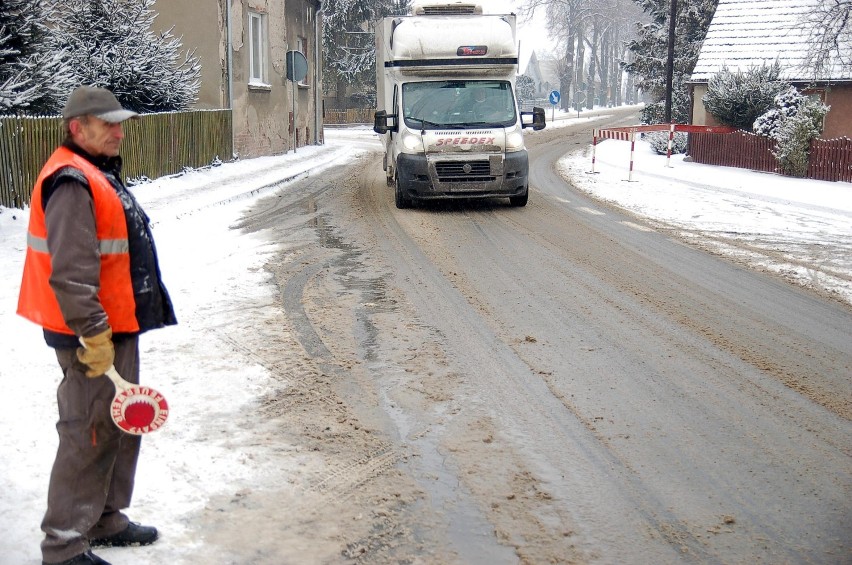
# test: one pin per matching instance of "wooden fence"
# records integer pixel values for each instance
(829, 159)
(154, 146)
(351, 116)
(738, 149)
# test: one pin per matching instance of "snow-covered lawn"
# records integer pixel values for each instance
(798, 228)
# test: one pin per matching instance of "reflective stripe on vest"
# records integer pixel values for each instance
(105, 247)
(37, 301)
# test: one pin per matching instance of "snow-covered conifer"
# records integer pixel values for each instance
(787, 105)
(349, 52)
(738, 98)
(659, 142)
(110, 43)
(655, 112)
(526, 88)
(794, 137)
(793, 121)
(34, 77)
(650, 52)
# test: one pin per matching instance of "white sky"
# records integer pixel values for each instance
(532, 33)
(213, 271)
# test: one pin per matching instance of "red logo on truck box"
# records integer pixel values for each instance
(471, 50)
(465, 141)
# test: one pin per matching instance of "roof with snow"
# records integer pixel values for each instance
(749, 33)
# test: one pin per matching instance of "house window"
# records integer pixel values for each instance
(257, 50)
(302, 47)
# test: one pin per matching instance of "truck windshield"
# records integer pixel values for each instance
(458, 103)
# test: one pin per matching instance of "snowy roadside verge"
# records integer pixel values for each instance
(796, 228)
(218, 282)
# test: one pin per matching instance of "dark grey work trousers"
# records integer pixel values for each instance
(93, 474)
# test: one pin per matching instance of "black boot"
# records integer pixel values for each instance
(133, 534)
(87, 558)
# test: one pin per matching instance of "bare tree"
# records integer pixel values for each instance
(561, 17)
(611, 20)
(592, 36)
(829, 27)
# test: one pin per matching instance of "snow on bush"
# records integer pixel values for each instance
(655, 113)
(787, 105)
(48, 47)
(35, 78)
(736, 99)
(659, 141)
(793, 121)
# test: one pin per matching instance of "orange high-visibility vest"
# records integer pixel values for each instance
(37, 301)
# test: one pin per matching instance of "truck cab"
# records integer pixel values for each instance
(447, 108)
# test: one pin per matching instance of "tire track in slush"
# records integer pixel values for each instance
(515, 393)
(407, 235)
(342, 480)
(341, 477)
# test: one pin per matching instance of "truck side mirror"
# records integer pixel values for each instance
(538, 118)
(380, 122)
(538, 122)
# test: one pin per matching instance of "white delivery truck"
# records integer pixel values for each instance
(446, 105)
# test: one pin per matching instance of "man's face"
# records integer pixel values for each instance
(97, 137)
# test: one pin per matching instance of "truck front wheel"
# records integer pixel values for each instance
(520, 200)
(402, 201)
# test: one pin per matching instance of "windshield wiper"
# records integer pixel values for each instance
(423, 124)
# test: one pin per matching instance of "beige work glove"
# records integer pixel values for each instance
(98, 353)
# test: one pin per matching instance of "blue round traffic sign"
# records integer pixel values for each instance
(554, 97)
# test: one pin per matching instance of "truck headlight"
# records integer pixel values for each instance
(514, 140)
(412, 142)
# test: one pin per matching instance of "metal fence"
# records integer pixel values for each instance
(528, 105)
(829, 159)
(154, 146)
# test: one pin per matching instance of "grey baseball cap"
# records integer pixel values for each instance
(98, 102)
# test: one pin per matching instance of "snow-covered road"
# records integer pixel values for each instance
(797, 228)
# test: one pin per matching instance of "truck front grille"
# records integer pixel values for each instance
(447, 10)
(464, 171)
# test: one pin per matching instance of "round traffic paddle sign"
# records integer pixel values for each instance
(136, 409)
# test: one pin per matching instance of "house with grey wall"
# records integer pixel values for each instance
(242, 46)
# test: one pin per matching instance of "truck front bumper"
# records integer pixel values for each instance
(469, 176)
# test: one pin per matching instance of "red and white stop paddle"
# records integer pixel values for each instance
(136, 409)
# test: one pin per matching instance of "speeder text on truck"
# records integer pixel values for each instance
(446, 105)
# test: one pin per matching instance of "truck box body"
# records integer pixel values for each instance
(446, 82)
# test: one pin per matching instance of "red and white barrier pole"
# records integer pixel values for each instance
(671, 142)
(632, 151)
(594, 145)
